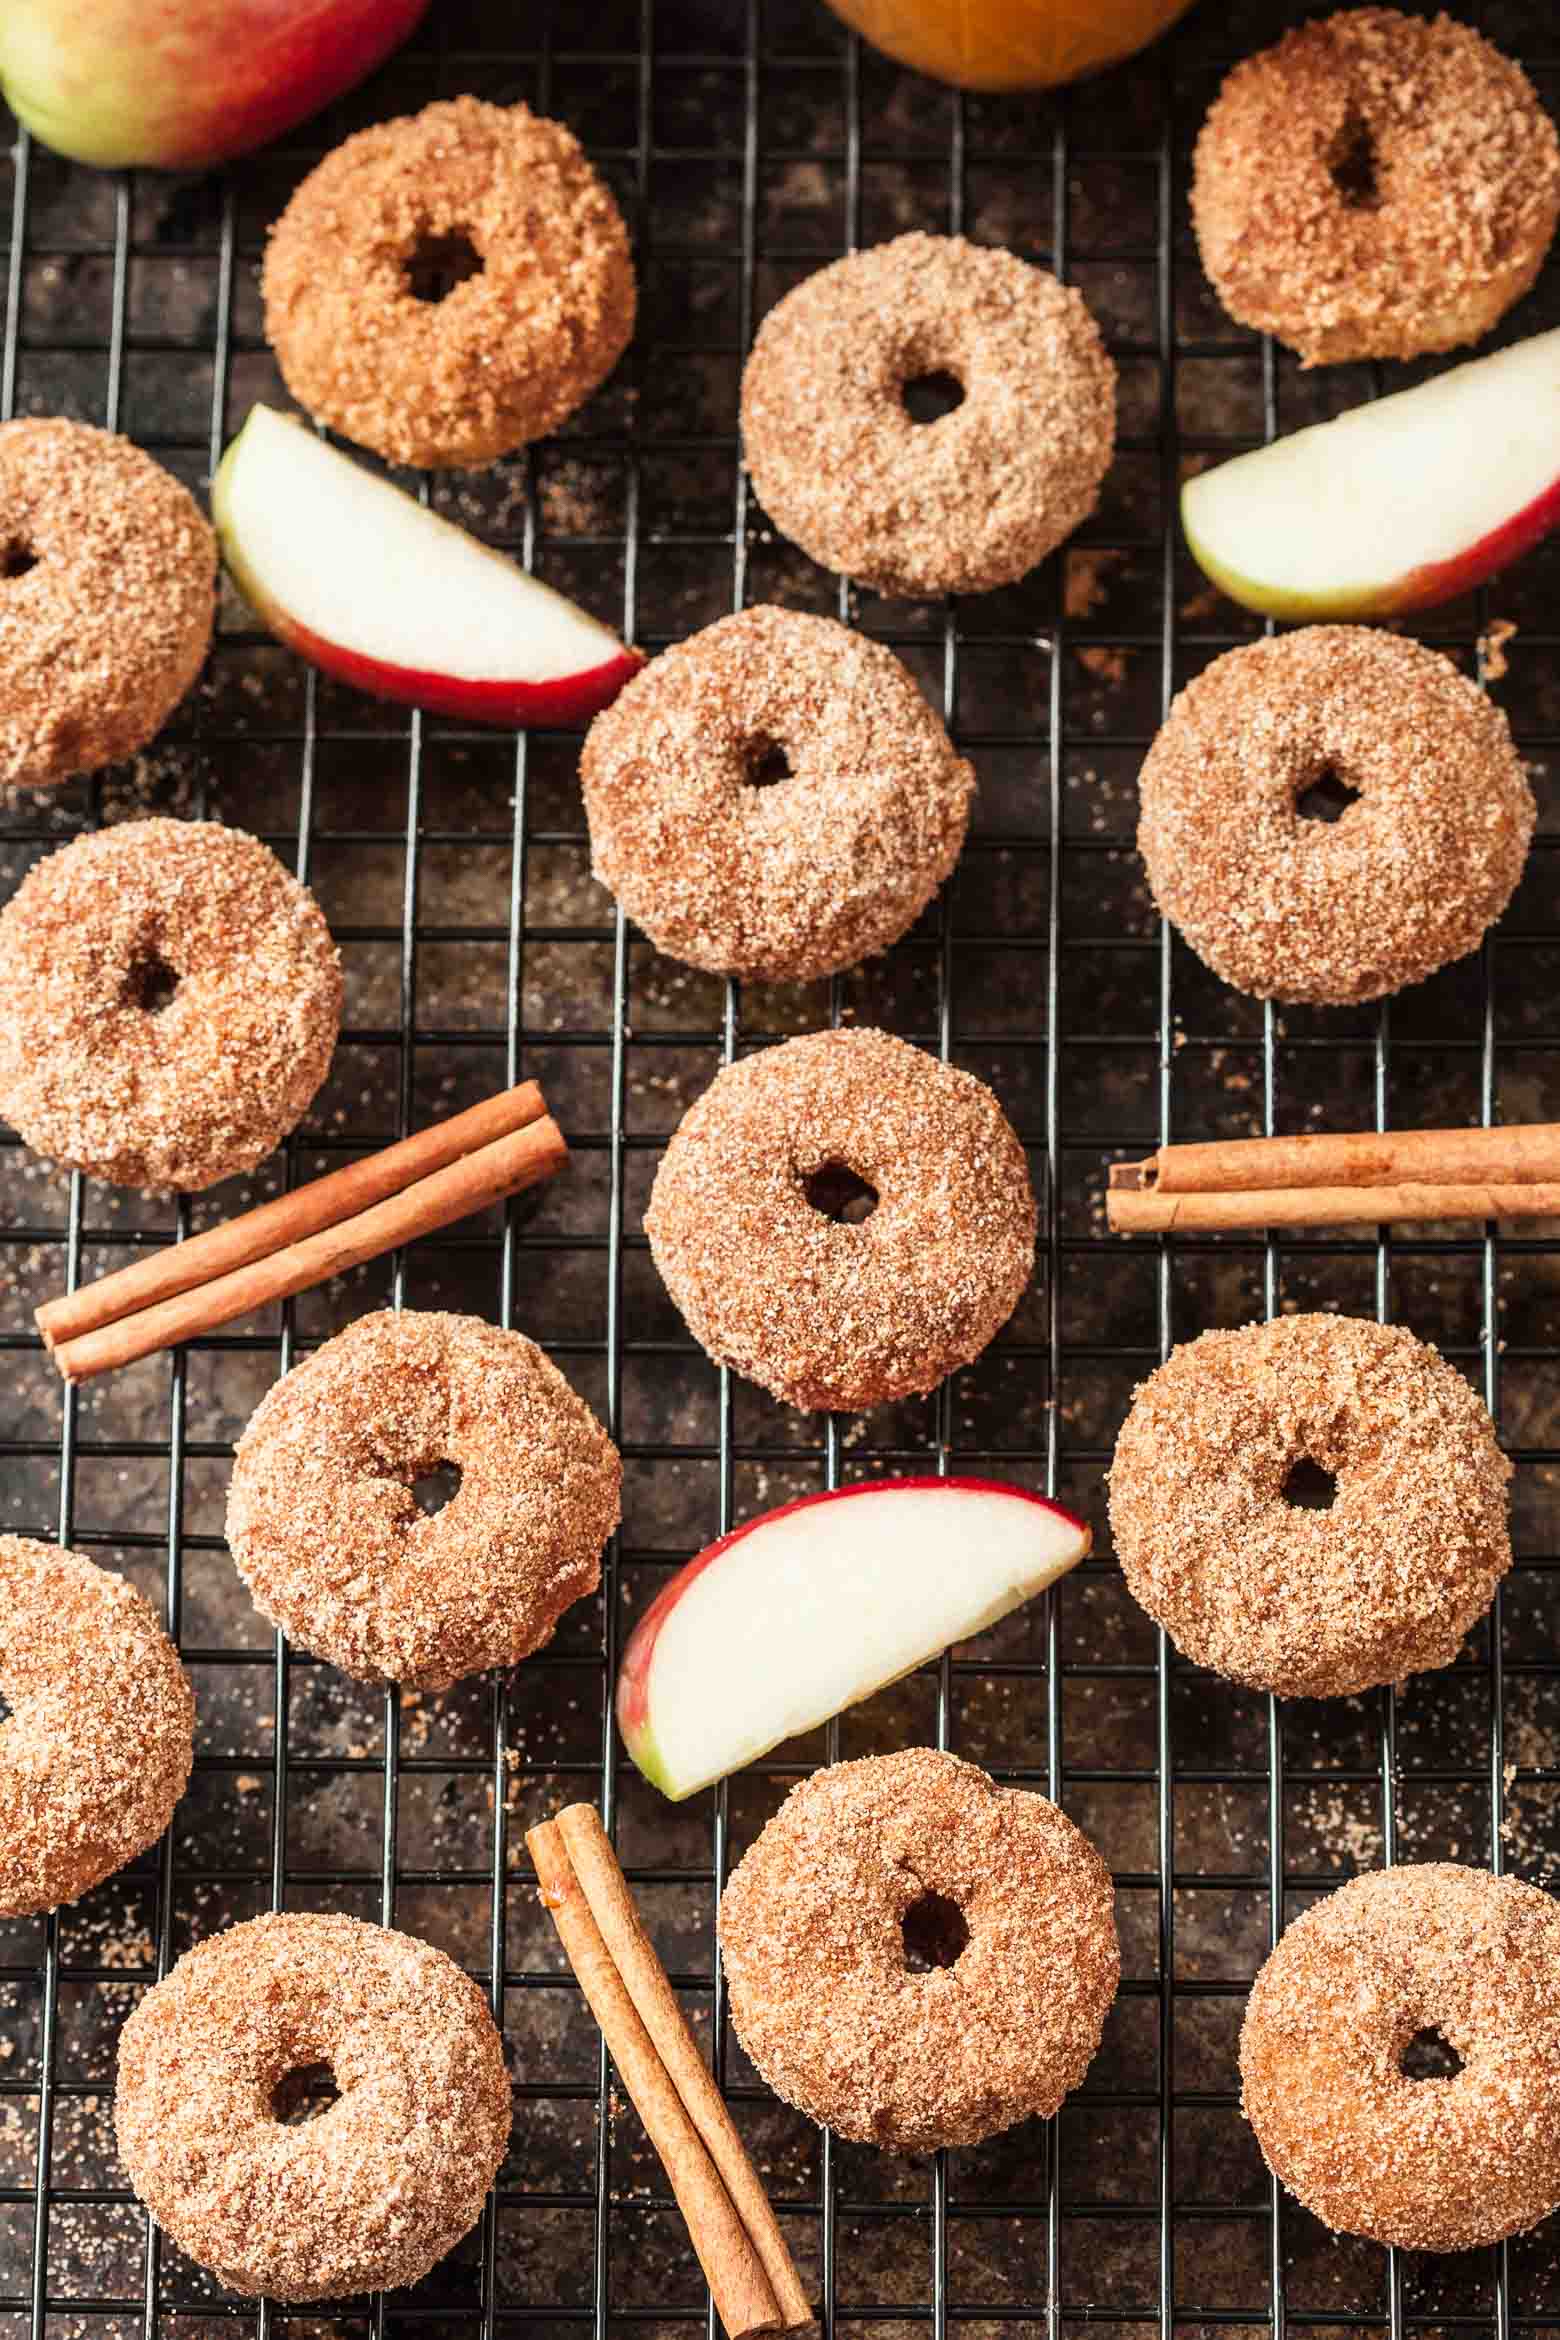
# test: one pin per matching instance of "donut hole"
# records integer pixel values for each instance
(935, 1933)
(1308, 1487)
(17, 558)
(434, 1488)
(1430, 2055)
(840, 1193)
(436, 265)
(766, 763)
(303, 2093)
(150, 984)
(1352, 165)
(928, 397)
(1326, 798)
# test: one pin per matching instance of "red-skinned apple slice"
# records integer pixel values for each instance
(808, 1609)
(1393, 506)
(365, 582)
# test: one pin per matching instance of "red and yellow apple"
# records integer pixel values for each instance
(808, 1609)
(178, 84)
(1394, 506)
(369, 585)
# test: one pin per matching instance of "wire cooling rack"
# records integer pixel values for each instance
(750, 143)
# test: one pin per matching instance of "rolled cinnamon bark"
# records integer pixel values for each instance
(1299, 1207)
(1524, 1154)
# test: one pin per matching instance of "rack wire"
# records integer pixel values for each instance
(750, 142)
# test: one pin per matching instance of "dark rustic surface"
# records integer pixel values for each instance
(749, 145)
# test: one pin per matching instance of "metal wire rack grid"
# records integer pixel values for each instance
(1143, 2205)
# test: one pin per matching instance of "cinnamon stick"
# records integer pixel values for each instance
(1155, 1212)
(521, 1159)
(745, 2298)
(1522, 1154)
(272, 1226)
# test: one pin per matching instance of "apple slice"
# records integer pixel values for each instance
(358, 577)
(810, 1608)
(1393, 506)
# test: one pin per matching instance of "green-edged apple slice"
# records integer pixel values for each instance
(1393, 506)
(808, 1609)
(375, 589)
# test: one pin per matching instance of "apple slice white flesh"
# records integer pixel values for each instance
(810, 1608)
(361, 579)
(1393, 506)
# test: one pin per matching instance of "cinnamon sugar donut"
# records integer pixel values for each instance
(916, 1956)
(800, 878)
(97, 1748)
(1311, 1602)
(107, 596)
(325, 1525)
(1405, 880)
(959, 505)
(1375, 186)
(356, 264)
(218, 2061)
(756, 1224)
(169, 1002)
(1447, 2162)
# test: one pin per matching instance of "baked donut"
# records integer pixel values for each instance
(1375, 186)
(1448, 2161)
(108, 574)
(325, 1525)
(169, 1003)
(97, 1748)
(541, 309)
(916, 1956)
(1405, 880)
(756, 1224)
(959, 505)
(219, 2061)
(1215, 1537)
(800, 878)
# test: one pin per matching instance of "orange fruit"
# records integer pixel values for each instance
(1009, 44)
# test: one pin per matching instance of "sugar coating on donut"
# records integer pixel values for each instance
(324, 1522)
(814, 1927)
(959, 505)
(507, 353)
(169, 1003)
(789, 881)
(829, 1312)
(107, 596)
(97, 1748)
(1444, 2163)
(1311, 1603)
(375, 2189)
(1406, 880)
(1376, 185)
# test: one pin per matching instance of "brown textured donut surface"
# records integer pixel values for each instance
(326, 1529)
(97, 1748)
(959, 505)
(376, 2188)
(823, 1312)
(1407, 879)
(169, 1003)
(796, 879)
(1376, 185)
(1445, 2163)
(107, 595)
(1311, 1603)
(864, 1861)
(506, 354)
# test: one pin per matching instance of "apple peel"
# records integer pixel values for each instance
(808, 1609)
(370, 586)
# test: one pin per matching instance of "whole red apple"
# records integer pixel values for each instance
(176, 84)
